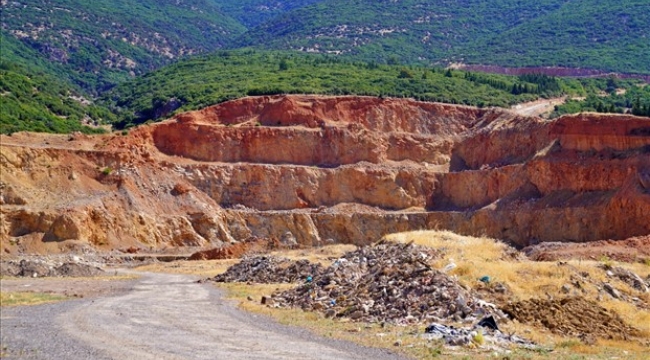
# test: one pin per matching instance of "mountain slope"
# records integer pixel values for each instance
(255, 12)
(106, 41)
(583, 33)
(32, 101)
(603, 34)
(403, 29)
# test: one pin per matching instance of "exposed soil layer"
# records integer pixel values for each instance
(573, 316)
(636, 249)
(236, 250)
(326, 169)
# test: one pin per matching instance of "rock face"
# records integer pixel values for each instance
(343, 169)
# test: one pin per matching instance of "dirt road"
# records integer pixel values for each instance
(538, 107)
(162, 317)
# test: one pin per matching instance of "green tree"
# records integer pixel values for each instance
(284, 65)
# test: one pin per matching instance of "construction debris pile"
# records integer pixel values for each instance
(386, 283)
(477, 334)
(572, 316)
(270, 269)
(46, 267)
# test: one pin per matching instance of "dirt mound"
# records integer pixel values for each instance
(42, 268)
(385, 283)
(636, 249)
(573, 316)
(270, 270)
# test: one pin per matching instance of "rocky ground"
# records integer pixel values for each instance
(402, 284)
(47, 267)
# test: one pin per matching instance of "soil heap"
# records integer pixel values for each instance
(572, 316)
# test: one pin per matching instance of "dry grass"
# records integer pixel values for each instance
(205, 268)
(323, 255)
(27, 298)
(476, 257)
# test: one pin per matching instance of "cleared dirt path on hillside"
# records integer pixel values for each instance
(163, 316)
(538, 107)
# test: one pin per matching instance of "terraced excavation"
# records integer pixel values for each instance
(327, 170)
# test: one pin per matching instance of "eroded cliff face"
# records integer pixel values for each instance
(343, 169)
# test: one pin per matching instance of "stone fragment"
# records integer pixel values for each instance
(612, 291)
(632, 279)
(267, 300)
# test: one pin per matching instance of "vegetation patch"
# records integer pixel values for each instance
(28, 298)
(227, 75)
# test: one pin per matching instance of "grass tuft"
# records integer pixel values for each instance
(27, 298)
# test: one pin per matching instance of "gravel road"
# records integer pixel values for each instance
(162, 316)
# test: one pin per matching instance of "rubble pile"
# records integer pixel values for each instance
(387, 282)
(42, 267)
(268, 270)
(572, 316)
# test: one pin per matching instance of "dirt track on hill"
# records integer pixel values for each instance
(162, 317)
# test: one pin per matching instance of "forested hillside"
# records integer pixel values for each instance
(610, 96)
(38, 102)
(601, 34)
(103, 42)
(607, 35)
(255, 12)
(199, 82)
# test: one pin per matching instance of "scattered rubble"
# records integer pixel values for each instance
(393, 283)
(478, 335)
(630, 278)
(571, 316)
(386, 283)
(270, 269)
(41, 267)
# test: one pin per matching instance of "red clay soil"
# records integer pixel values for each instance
(636, 249)
(236, 251)
(326, 169)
